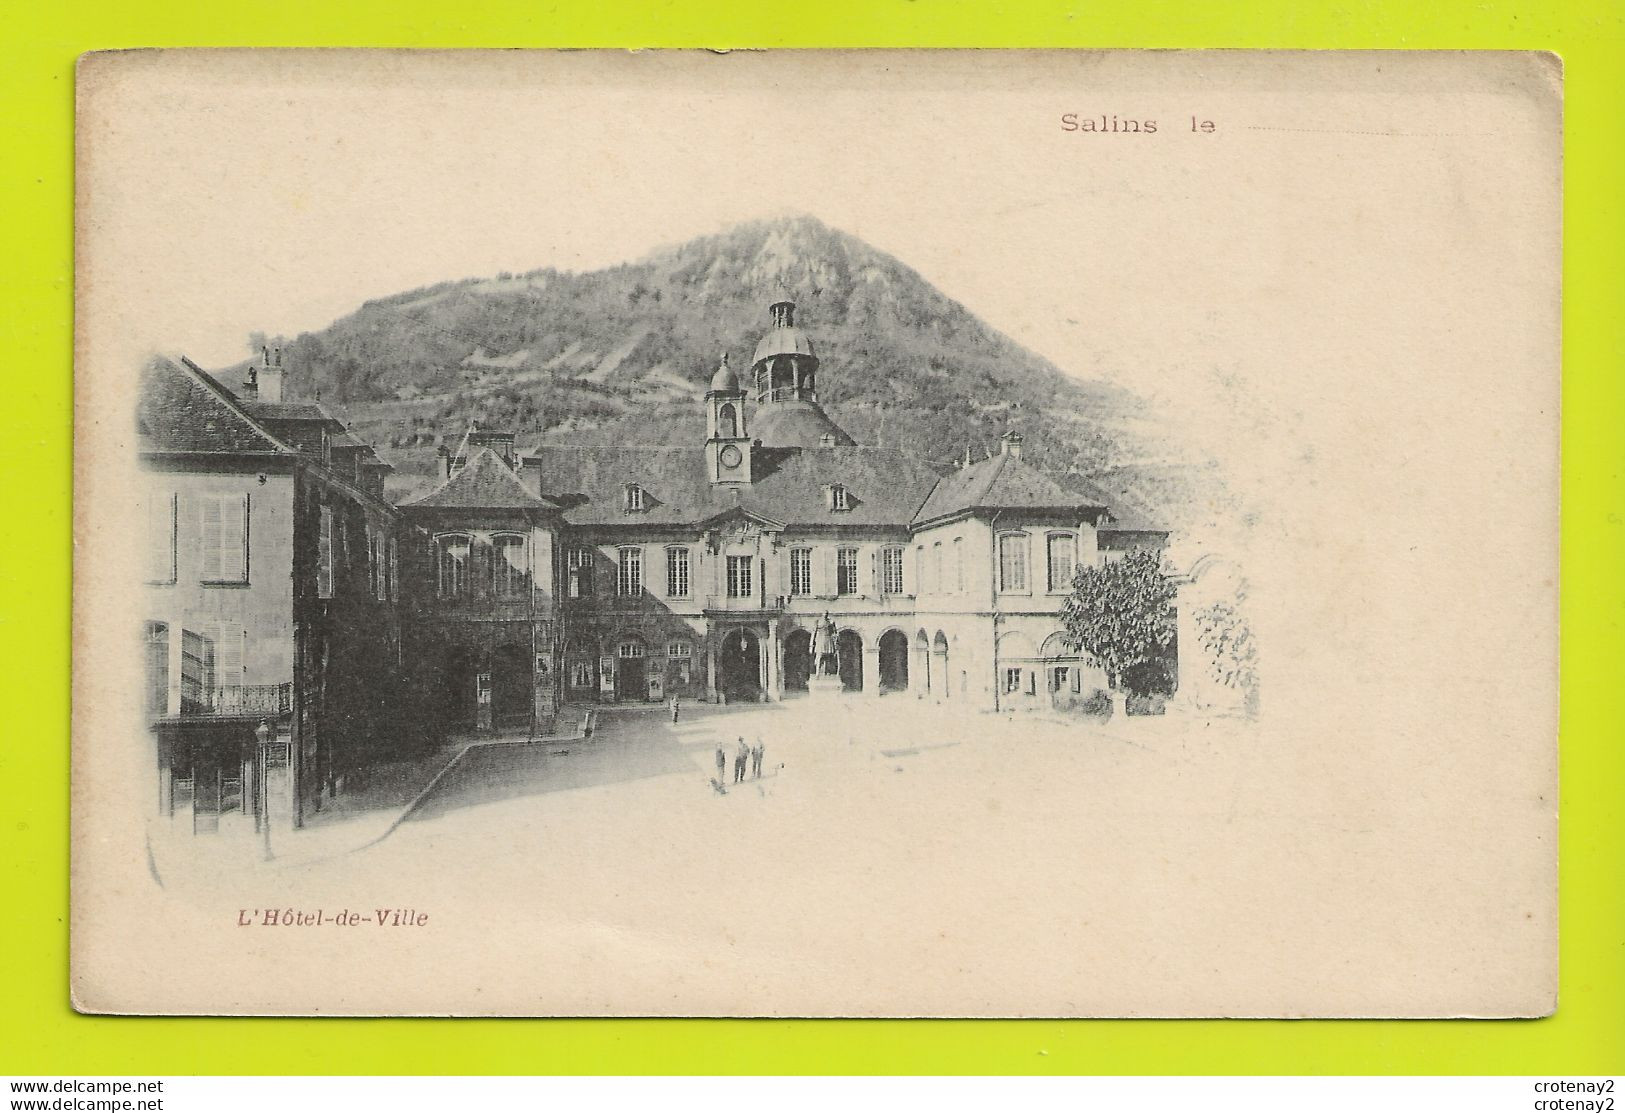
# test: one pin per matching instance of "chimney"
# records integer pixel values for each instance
(501, 441)
(826, 440)
(1010, 445)
(270, 376)
(251, 383)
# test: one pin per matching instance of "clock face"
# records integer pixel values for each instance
(729, 456)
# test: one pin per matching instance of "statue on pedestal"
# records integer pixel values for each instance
(825, 649)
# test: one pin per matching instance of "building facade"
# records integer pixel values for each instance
(629, 574)
(271, 594)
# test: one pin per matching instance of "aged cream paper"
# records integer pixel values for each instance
(1332, 277)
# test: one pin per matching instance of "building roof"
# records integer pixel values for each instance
(1004, 482)
(795, 424)
(724, 380)
(782, 340)
(183, 409)
(790, 485)
(485, 482)
(290, 411)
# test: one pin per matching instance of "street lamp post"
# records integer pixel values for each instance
(262, 734)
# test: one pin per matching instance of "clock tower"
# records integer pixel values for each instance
(727, 447)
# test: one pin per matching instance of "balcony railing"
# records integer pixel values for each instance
(744, 603)
(787, 394)
(240, 701)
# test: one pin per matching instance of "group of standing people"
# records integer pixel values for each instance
(747, 757)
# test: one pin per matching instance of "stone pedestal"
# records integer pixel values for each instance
(825, 687)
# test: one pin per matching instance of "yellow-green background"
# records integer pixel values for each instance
(39, 1034)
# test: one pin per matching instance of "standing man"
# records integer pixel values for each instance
(676, 704)
(756, 758)
(722, 766)
(739, 761)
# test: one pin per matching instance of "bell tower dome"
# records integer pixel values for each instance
(784, 373)
(727, 444)
(785, 368)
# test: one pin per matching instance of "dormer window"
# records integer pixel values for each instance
(634, 499)
(839, 498)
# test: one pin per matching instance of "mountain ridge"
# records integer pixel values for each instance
(621, 355)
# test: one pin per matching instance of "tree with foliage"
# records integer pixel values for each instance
(1121, 614)
(1227, 642)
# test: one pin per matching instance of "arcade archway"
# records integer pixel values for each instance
(798, 662)
(893, 648)
(939, 664)
(850, 646)
(739, 665)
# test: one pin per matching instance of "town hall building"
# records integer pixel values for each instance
(627, 574)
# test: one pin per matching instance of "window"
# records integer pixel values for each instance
(634, 498)
(739, 577)
(508, 565)
(839, 498)
(919, 569)
(1012, 680)
(581, 674)
(452, 563)
(891, 571)
(677, 573)
(157, 662)
(579, 568)
(629, 573)
(630, 650)
(394, 570)
(679, 649)
(800, 571)
(846, 572)
(225, 538)
(959, 564)
(1013, 562)
(937, 582)
(380, 562)
(727, 422)
(1063, 551)
(324, 555)
(161, 538)
(372, 565)
(197, 671)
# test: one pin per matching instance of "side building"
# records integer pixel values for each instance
(273, 645)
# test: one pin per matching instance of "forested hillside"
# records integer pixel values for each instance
(621, 355)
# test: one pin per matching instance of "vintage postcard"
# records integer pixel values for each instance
(817, 533)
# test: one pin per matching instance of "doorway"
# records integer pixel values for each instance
(631, 676)
(739, 665)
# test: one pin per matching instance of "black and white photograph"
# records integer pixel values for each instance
(825, 533)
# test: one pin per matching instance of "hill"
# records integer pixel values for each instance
(622, 355)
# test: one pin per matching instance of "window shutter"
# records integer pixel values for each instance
(394, 570)
(324, 555)
(161, 537)
(229, 653)
(237, 539)
(876, 572)
(209, 542)
(824, 570)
